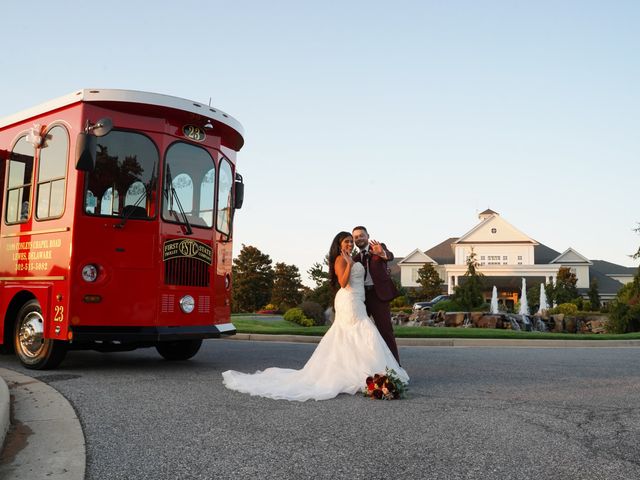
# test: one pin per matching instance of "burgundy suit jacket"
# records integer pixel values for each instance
(383, 285)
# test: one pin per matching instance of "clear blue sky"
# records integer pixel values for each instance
(407, 117)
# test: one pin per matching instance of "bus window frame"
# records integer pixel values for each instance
(227, 235)
(164, 179)
(121, 216)
(51, 180)
(5, 193)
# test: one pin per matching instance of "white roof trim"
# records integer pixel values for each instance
(425, 258)
(558, 259)
(127, 96)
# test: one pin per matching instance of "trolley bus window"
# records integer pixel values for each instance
(52, 172)
(225, 184)
(188, 185)
(19, 181)
(126, 168)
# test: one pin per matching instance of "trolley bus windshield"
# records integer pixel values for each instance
(123, 182)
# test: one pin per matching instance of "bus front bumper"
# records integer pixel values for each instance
(149, 335)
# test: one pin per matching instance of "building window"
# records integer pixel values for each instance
(493, 230)
(519, 257)
(504, 257)
(482, 257)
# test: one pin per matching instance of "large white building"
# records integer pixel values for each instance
(506, 255)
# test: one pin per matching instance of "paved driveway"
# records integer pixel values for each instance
(495, 413)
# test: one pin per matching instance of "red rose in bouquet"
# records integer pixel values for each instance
(385, 386)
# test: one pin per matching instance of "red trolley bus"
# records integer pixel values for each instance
(116, 229)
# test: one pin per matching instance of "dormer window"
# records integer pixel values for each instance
(494, 230)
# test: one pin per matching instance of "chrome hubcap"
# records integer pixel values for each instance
(31, 334)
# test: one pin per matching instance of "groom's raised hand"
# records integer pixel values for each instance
(376, 249)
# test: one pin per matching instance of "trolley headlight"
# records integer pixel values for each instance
(89, 273)
(187, 304)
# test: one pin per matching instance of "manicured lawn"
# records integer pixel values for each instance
(249, 324)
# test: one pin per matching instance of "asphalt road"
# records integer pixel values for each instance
(471, 413)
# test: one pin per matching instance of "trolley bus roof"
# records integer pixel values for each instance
(98, 95)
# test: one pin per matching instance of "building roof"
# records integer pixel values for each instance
(442, 253)
(606, 285)
(543, 255)
(488, 211)
(612, 268)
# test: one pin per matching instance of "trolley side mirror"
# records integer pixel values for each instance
(239, 197)
(87, 143)
(86, 152)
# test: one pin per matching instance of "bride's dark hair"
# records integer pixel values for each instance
(334, 252)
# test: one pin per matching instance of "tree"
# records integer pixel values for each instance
(565, 289)
(318, 274)
(533, 297)
(252, 280)
(469, 294)
(287, 287)
(430, 282)
(323, 293)
(594, 294)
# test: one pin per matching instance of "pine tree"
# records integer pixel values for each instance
(252, 280)
(430, 282)
(287, 287)
(323, 293)
(594, 294)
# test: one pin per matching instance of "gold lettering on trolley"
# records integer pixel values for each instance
(58, 315)
(33, 255)
(185, 247)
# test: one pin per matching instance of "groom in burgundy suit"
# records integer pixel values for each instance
(378, 286)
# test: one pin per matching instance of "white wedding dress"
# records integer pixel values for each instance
(350, 351)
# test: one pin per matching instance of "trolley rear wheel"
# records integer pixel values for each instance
(32, 349)
(179, 349)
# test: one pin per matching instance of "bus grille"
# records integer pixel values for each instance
(186, 271)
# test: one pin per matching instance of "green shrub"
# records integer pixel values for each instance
(578, 302)
(447, 306)
(485, 307)
(296, 315)
(400, 301)
(568, 309)
(624, 317)
(314, 311)
(586, 305)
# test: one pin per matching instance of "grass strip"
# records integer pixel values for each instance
(249, 324)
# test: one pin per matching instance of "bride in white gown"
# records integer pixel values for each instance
(350, 351)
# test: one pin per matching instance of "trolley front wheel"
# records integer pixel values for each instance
(33, 350)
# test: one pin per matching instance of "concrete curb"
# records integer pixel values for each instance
(454, 342)
(5, 411)
(46, 439)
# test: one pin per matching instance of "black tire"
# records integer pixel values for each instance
(34, 351)
(179, 350)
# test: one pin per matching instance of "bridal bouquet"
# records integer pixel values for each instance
(385, 386)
